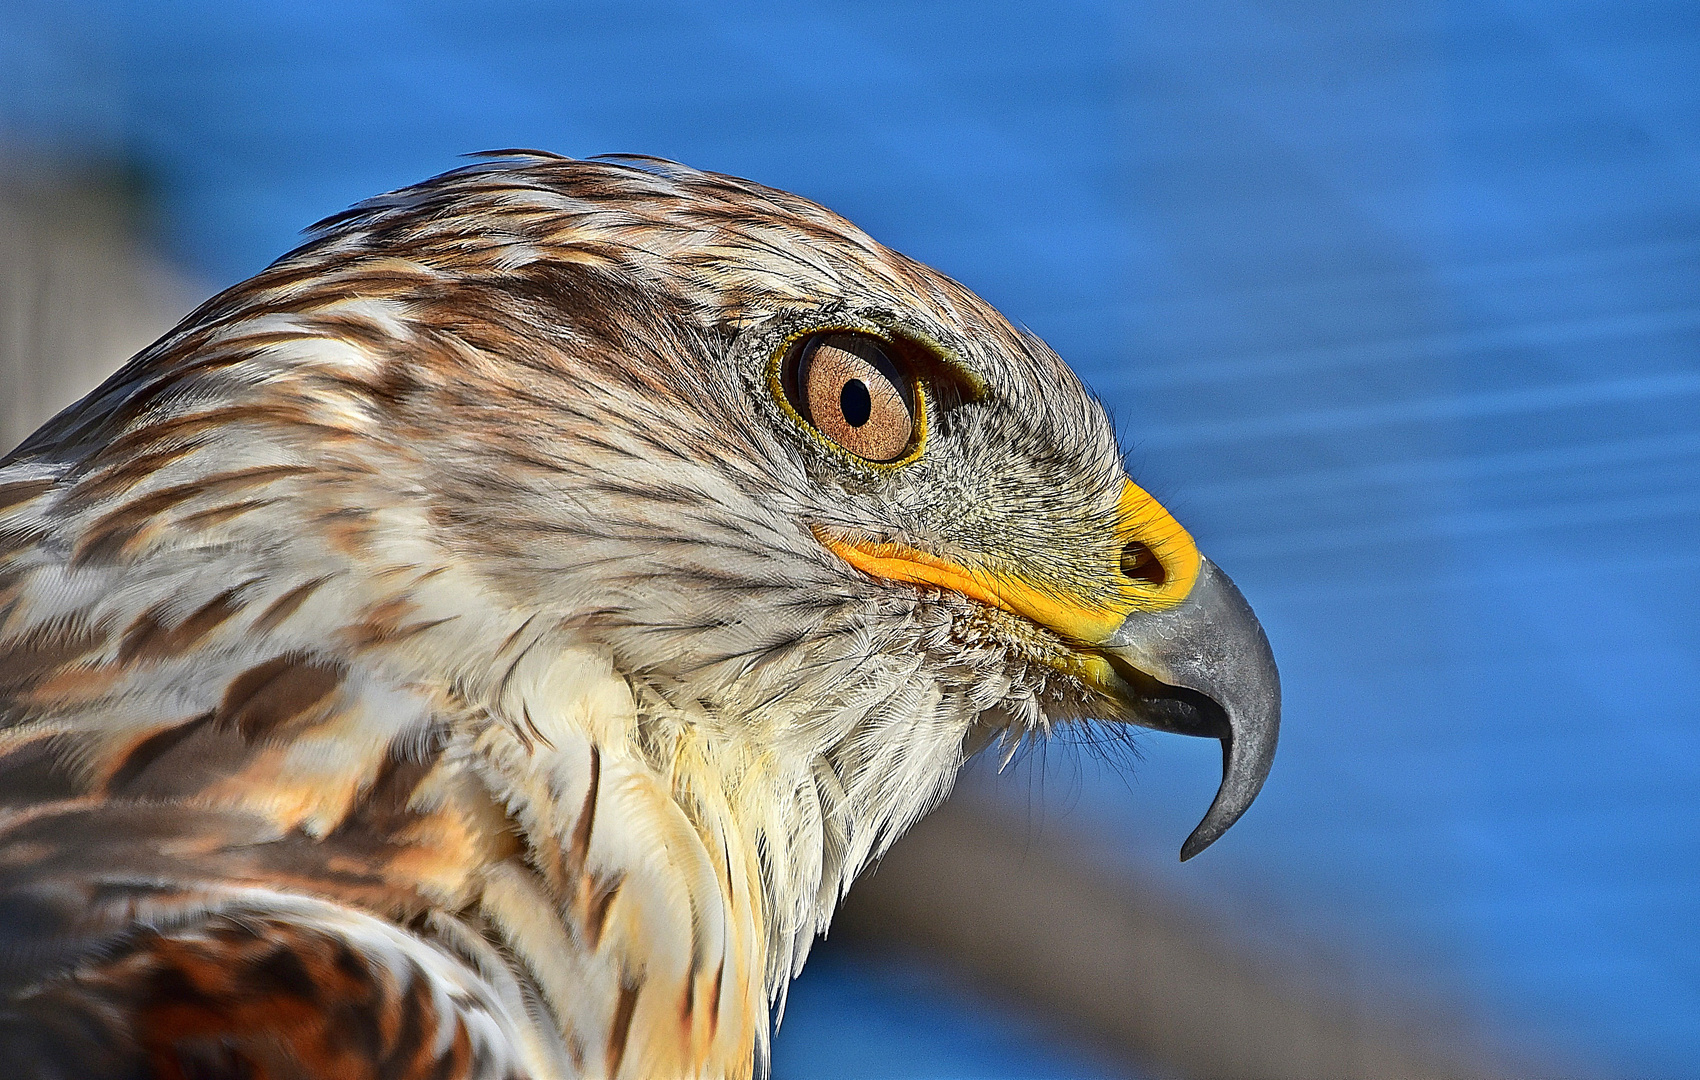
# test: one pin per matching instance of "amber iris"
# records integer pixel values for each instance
(850, 391)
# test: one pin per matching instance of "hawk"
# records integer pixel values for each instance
(488, 642)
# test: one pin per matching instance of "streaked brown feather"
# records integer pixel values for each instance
(266, 999)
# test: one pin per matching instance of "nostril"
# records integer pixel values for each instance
(1141, 564)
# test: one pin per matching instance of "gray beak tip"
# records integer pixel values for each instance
(1197, 842)
(1212, 644)
(1248, 750)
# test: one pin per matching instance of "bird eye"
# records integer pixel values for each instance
(846, 386)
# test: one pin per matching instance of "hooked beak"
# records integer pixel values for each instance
(1203, 667)
(1178, 649)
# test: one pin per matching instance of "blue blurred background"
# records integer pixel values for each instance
(1397, 305)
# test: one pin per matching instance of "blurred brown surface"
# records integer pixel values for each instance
(77, 296)
(1170, 988)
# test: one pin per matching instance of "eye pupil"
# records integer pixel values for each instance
(856, 403)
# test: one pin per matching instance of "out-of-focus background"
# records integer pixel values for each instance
(1397, 304)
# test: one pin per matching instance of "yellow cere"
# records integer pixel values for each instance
(1140, 517)
(1143, 518)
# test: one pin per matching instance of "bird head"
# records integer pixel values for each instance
(816, 498)
(825, 513)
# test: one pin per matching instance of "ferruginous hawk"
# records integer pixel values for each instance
(488, 642)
